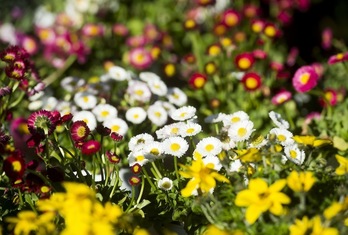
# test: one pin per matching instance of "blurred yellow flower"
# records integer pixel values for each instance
(249, 155)
(213, 230)
(342, 169)
(301, 181)
(313, 226)
(260, 197)
(203, 177)
(311, 140)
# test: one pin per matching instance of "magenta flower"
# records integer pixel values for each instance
(281, 97)
(140, 58)
(79, 131)
(42, 122)
(305, 79)
(90, 147)
(338, 58)
(329, 98)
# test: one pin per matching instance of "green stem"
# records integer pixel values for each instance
(148, 179)
(141, 190)
(114, 186)
(176, 168)
(132, 199)
(54, 76)
(158, 174)
(196, 50)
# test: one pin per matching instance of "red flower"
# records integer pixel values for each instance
(115, 136)
(79, 131)
(42, 122)
(230, 18)
(140, 58)
(134, 180)
(205, 2)
(338, 58)
(136, 168)
(90, 147)
(244, 61)
(251, 81)
(113, 157)
(271, 30)
(197, 80)
(14, 166)
(330, 98)
(281, 97)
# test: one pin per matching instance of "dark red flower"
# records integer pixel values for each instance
(197, 80)
(115, 136)
(79, 131)
(14, 166)
(113, 157)
(42, 122)
(251, 81)
(134, 180)
(90, 147)
(136, 168)
(244, 61)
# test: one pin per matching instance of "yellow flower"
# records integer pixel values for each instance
(343, 167)
(249, 155)
(301, 181)
(141, 231)
(313, 226)
(27, 222)
(259, 198)
(202, 176)
(332, 210)
(311, 140)
(213, 230)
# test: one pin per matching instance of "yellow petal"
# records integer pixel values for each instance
(190, 187)
(252, 214)
(258, 185)
(277, 186)
(246, 198)
(207, 183)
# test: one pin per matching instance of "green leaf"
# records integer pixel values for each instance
(340, 143)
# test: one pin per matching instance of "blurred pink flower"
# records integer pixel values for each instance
(305, 79)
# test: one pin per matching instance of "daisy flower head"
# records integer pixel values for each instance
(86, 116)
(278, 120)
(190, 129)
(41, 122)
(79, 130)
(215, 118)
(230, 119)
(176, 96)
(183, 113)
(90, 147)
(137, 157)
(294, 154)
(104, 111)
(172, 129)
(165, 184)
(209, 146)
(154, 150)
(175, 146)
(50, 103)
(197, 80)
(148, 76)
(244, 61)
(138, 91)
(230, 17)
(157, 114)
(283, 136)
(72, 84)
(140, 58)
(214, 161)
(226, 142)
(116, 125)
(251, 81)
(158, 87)
(85, 100)
(118, 73)
(169, 107)
(140, 141)
(281, 97)
(241, 131)
(305, 79)
(338, 58)
(136, 115)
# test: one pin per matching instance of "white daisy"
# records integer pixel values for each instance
(138, 91)
(238, 75)
(241, 130)
(85, 100)
(169, 107)
(165, 184)
(176, 96)
(278, 120)
(136, 115)
(117, 125)
(50, 103)
(157, 115)
(104, 111)
(183, 113)
(235, 165)
(149, 76)
(118, 73)
(139, 141)
(214, 118)
(154, 150)
(137, 156)
(169, 130)
(71, 84)
(230, 119)
(65, 107)
(294, 154)
(158, 87)
(86, 116)
(175, 146)
(214, 161)
(283, 136)
(190, 129)
(209, 146)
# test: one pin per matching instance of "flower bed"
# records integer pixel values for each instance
(180, 117)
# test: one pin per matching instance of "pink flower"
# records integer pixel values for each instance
(281, 97)
(305, 79)
(326, 38)
(338, 58)
(90, 147)
(42, 122)
(140, 58)
(330, 97)
(79, 131)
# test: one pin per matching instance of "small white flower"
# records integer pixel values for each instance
(139, 141)
(209, 146)
(241, 131)
(50, 103)
(190, 129)
(278, 120)
(165, 184)
(238, 75)
(86, 116)
(104, 112)
(169, 107)
(149, 76)
(170, 130)
(214, 161)
(65, 107)
(215, 118)
(157, 115)
(154, 150)
(118, 73)
(137, 156)
(158, 87)
(175, 146)
(71, 84)
(183, 113)
(85, 100)
(235, 165)
(283, 136)
(233, 118)
(117, 125)
(136, 115)
(138, 91)
(294, 154)
(176, 96)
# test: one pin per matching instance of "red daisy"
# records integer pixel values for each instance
(136, 168)
(90, 147)
(79, 131)
(113, 157)
(330, 97)
(230, 18)
(244, 61)
(197, 80)
(14, 166)
(42, 122)
(251, 81)
(140, 58)
(134, 180)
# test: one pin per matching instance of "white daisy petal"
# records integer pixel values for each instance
(139, 141)
(104, 112)
(294, 154)
(209, 146)
(241, 130)
(283, 136)
(157, 115)
(117, 125)
(175, 146)
(136, 115)
(278, 120)
(183, 113)
(86, 116)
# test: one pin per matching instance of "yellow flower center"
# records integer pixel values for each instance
(235, 119)
(190, 130)
(115, 128)
(281, 138)
(105, 113)
(169, 69)
(251, 83)
(85, 99)
(209, 147)
(81, 131)
(175, 147)
(304, 78)
(190, 24)
(231, 19)
(174, 130)
(339, 56)
(139, 92)
(17, 166)
(158, 114)
(257, 27)
(199, 82)
(214, 50)
(270, 31)
(293, 153)
(154, 151)
(244, 63)
(139, 158)
(242, 132)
